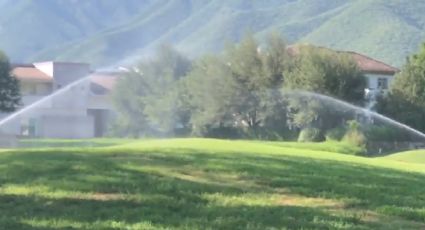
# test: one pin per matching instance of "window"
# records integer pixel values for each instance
(28, 127)
(382, 83)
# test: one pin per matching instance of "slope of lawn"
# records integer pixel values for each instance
(55, 143)
(207, 184)
(416, 156)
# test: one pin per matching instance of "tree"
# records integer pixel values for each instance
(212, 93)
(405, 101)
(10, 96)
(148, 98)
(327, 72)
(240, 88)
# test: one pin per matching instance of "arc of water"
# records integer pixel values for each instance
(41, 101)
(354, 107)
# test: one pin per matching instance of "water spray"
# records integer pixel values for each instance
(357, 108)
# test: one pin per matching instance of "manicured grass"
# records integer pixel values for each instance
(54, 143)
(330, 146)
(417, 156)
(207, 184)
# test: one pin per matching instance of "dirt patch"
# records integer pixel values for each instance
(295, 200)
(101, 196)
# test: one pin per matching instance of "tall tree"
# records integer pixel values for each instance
(10, 96)
(325, 72)
(406, 98)
(242, 85)
(149, 98)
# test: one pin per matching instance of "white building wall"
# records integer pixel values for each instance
(372, 80)
(373, 90)
(67, 126)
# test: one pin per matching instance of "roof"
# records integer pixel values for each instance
(31, 74)
(16, 65)
(365, 63)
(370, 65)
(106, 81)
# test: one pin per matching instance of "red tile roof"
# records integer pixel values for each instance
(31, 74)
(365, 63)
(370, 65)
(106, 81)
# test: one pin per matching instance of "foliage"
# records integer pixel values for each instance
(150, 98)
(335, 134)
(242, 92)
(207, 184)
(10, 97)
(310, 135)
(325, 72)
(354, 134)
(240, 87)
(406, 99)
(386, 133)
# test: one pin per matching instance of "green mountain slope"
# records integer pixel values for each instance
(107, 32)
(197, 28)
(27, 26)
(387, 30)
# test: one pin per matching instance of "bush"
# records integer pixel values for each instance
(382, 133)
(355, 136)
(222, 132)
(310, 135)
(335, 134)
(265, 133)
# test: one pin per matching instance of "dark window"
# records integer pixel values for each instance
(382, 83)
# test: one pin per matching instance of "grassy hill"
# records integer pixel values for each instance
(207, 184)
(108, 32)
(417, 157)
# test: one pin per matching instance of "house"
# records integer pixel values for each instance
(80, 108)
(378, 74)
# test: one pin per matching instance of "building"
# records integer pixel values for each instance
(80, 107)
(378, 74)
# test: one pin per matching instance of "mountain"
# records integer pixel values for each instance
(105, 32)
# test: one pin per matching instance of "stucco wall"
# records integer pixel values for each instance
(66, 127)
(372, 80)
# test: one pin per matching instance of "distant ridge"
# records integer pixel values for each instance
(104, 32)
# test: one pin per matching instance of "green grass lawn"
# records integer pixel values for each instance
(417, 156)
(207, 184)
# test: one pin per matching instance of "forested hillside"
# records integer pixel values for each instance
(107, 31)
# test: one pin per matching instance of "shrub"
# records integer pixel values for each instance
(222, 132)
(310, 135)
(265, 133)
(386, 134)
(355, 136)
(335, 134)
